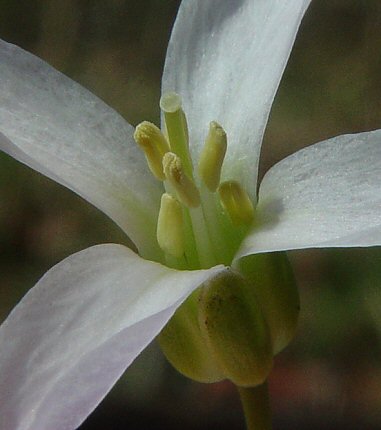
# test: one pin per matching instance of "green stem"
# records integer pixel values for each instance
(256, 407)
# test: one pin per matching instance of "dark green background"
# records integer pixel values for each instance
(330, 377)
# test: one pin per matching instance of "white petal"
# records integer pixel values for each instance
(225, 58)
(57, 127)
(326, 195)
(72, 336)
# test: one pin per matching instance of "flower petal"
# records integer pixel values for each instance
(326, 195)
(60, 129)
(73, 335)
(226, 58)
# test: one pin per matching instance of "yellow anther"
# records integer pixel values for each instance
(170, 230)
(186, 190)
(236, 202)
(154, 144)
(212, 156)
(176, 127)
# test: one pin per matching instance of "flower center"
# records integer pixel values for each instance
(201, 221)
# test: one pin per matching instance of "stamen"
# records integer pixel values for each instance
(236, 203)
(170, 226)
(186, 190)
(212, 156)
(152, 141)
(177, 129)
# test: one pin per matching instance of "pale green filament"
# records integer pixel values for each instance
(218, 236)
(186, 190)
(154, 144)
(170, 226)
(236, 203)
(177, 129)
(212, 156)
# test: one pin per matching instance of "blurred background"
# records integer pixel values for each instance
(330, 377)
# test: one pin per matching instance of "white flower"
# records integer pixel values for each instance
(73, 335)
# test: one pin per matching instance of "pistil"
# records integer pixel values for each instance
(177, 129)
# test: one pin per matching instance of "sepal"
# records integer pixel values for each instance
(273, 282)
(231, 319)
(185, 347)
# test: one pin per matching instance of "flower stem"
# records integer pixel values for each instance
(256, 406)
